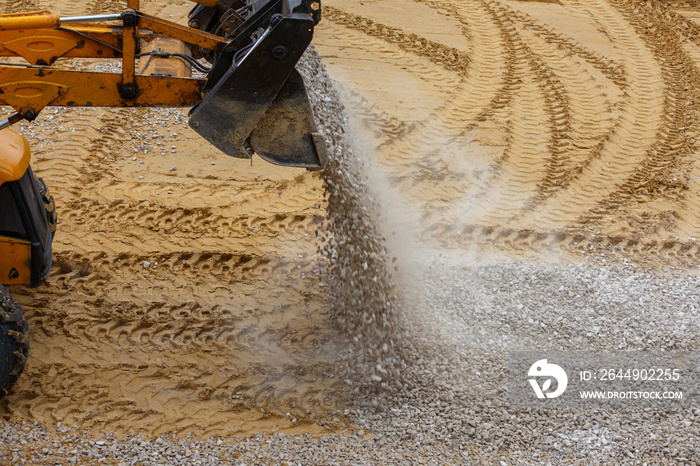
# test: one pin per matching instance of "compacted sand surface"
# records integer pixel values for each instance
(505, 175)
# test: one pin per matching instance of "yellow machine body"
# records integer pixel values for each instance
(14, 156)
(15, 254)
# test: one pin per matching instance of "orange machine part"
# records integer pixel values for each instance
(14, 156)
(15, 261)
(29, 89)
(32, 20)
(45, 46)
(97, 89)
(42, 49)
(26, 94)
(160, 66)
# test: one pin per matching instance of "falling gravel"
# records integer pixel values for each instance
(362, 293)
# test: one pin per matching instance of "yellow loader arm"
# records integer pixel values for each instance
(248, 99)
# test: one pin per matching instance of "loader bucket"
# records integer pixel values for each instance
(287, 134)
(260, 104)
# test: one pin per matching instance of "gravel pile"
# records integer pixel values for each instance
(452, 406)
(468, 317)
(429, 376)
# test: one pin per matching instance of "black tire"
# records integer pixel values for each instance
(14, 342)
(49, 205)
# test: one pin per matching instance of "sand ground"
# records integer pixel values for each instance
(185, 295)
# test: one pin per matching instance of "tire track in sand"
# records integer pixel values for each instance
(446, 84)
(492, 61)
(363, 47)
(581, 113)
(623, 149)
(494, 241)
(76, 145)
(139, 362)
(20, 6)
(140, 345)
(435, 141)
(657, 175)
(612, 70)
(597, 112)
(515, 172)
(562, 163)
(450, 58)
(152, 216)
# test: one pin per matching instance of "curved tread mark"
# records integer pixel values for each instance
(673, 148)
(447, 57)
